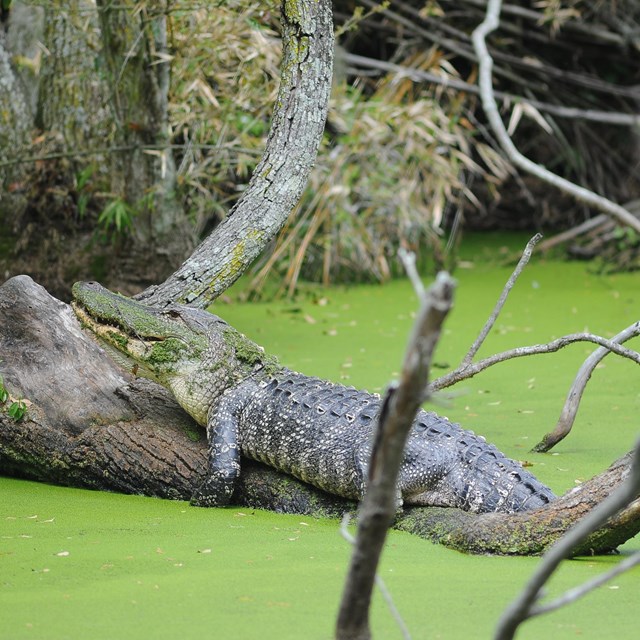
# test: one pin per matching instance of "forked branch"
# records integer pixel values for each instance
(467, 368)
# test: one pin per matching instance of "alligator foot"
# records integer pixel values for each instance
(213, 492)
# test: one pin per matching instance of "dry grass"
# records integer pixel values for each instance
(399, 160)
(394, 160)
(225, 80)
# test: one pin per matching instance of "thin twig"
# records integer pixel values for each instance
(571, 595)
(540, 67)
(593, 31)
(129, 147)
(522, 263)
(520, 608)
(490, 23)
(418, 75)
(464, 372)
(128, 56)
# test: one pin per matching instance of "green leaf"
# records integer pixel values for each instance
(17, 410)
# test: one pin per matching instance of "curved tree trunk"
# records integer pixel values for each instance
(279, 179)
(89, 424)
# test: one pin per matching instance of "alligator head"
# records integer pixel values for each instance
(195, 354)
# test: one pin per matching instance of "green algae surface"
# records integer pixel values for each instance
(81, 564)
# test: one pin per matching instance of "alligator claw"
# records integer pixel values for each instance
(213, 492)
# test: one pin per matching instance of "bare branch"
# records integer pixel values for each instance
(485, 62)
(468, 371)
(522, 263)
(571, 595)
(593, 31)
(386, 594)
(408, 259)
(399, 408)
(570, 409)
(78, 153)
(418, 75)
(570, 234)
(520, 609)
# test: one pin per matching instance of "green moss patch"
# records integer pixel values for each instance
(248, 351)
(167, 351)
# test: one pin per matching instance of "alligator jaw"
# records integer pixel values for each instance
(154, 343)
(128, 352)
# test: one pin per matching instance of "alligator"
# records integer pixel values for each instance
(315, 430)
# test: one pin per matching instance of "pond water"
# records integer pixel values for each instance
(80, 564)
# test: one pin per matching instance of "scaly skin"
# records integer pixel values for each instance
(315, 430)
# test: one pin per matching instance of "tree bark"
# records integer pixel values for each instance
(279, 179)
(89, 424)
(16, 109)
(134, 46)
(72, 97)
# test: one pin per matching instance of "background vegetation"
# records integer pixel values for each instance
(407, 159)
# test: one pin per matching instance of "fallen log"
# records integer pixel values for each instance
(90, 424)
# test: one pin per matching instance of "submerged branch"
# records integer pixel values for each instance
(570, 408)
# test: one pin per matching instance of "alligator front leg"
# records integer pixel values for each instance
(224, 455)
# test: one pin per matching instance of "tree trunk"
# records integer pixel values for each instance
(279, 179)
(143, 175)
(89, 424)
(18, 39)
(99, 86)
(72, 100)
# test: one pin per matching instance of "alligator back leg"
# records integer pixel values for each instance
(224, 454)
(445, 465)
